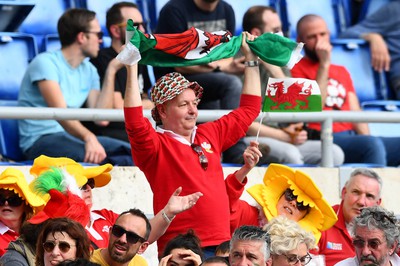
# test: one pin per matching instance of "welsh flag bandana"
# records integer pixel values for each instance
(197, 47)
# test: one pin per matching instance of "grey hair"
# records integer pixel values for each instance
(387, 223)
(287, 235)
(253, 233)
(368, 173)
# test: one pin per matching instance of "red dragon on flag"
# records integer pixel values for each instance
(191, 44)
(293, 95)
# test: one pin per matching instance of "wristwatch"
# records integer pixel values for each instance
(251, 63)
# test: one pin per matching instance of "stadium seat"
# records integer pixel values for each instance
(354, 54)
(13, 13)
(16, 51)
(9, 136)
(44, 17)
(291, 11)
(383, 129)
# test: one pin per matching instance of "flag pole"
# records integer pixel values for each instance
(259, 127)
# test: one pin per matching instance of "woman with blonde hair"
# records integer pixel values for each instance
(290, 243)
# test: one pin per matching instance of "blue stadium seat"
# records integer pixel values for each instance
(354, 54)
(44, 17)
(16, 51)
(291, 11)
(383, 129)
(13, 13)
(9, 136)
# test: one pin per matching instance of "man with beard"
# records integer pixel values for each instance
(116, 19)
(338, 93)
(375, 238)
(362, 190)
(128, 237)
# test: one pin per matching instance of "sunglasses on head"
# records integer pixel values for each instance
(131, 237)
(13, 201)
(293, 259)
(203, 159)
(371, 243)
(135, 24)
(289, 196)
(50, 245)
(89, 183)
(381, 217)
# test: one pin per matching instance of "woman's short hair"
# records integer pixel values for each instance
(287, 235)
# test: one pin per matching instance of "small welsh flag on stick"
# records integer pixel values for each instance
(291, 95)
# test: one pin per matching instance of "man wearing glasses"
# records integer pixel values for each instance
(375, 238)
(65, 79)
(362, 190)
(128, 237)
(116, 19)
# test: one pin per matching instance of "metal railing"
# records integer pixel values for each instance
(326, 118)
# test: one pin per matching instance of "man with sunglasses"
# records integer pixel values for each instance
(65, 79)
(128, 237)
(375, 238)
(362, 190)
(116, 19)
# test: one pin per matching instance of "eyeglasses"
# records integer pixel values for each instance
(371, 243)
(99, 34)
(89, 183)
(64, 247)
(293, 259)
(135, 24)
(131, 237)
(289, 196)
(203, 159)
(13, 201)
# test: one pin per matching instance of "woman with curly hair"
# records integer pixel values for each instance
(289, 242)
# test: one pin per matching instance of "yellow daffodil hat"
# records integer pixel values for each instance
(13, 179)
(100, 174)
(276, 180)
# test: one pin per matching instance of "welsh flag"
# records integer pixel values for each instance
(292, 95)
(197, 47)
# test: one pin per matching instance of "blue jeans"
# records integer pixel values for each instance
(63, 144)
(362, 148)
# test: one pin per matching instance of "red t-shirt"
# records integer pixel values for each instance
(339, 87)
